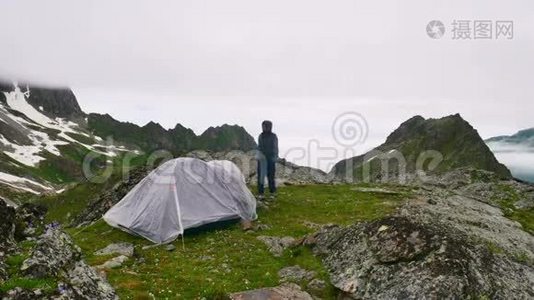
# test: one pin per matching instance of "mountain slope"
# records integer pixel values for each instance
(43, 139)
(451, 141)
(45, 136)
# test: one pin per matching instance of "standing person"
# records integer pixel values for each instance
(267, 156)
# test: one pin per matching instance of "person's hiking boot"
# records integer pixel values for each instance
(272, 197)
(261, 197)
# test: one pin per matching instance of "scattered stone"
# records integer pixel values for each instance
(170, 247)
(277, 245)
(317, 285)
(375, 190)
(126, 249)
(259, 227)
(286, 291)
(114, 263)
(295, 274)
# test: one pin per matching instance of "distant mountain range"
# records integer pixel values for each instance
(451, 139)
(516, 152)
(44, 137)
(178, 140)
(523, 137)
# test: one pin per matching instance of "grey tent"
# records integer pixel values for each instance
(183, 193)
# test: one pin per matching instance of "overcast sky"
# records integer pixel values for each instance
(299, 63)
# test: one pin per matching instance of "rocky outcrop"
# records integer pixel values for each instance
(286, 172)
(55, 255)
(7, 228)
(434, 146)
(442, 244)
(29, 220)
(103, 202)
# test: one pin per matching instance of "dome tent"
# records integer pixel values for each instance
(183, 193)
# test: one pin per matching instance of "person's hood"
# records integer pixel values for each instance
(267, 126)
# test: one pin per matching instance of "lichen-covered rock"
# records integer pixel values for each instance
(56, 256)
(86, 283)
(286, 172)
(7, 228)
(3, 271)
(54, 252)
(113, 263)
(126, 249)
(21, 294)
(29, 220)
(295, 274)
(456, 248)
(316, 285)
(277, 245)
(103, 202)
(287, 291)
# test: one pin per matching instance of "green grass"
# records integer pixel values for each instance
(44, 284)
(65, 206)
(17, 279)
(509, 196)
(225, 259)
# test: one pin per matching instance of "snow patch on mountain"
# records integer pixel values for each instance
(24, 184)
(31, 155)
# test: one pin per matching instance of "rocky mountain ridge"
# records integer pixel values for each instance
(428, 145)
(178, 140)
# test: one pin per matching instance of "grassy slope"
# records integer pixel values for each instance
(510, 196)
(238, 260)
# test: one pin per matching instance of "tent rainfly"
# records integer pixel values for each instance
(183, 193)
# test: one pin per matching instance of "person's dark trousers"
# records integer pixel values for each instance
(266, 168)
(271, 171)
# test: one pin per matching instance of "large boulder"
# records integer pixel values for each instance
(103, 202)
(442, 244)
(56, 256)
